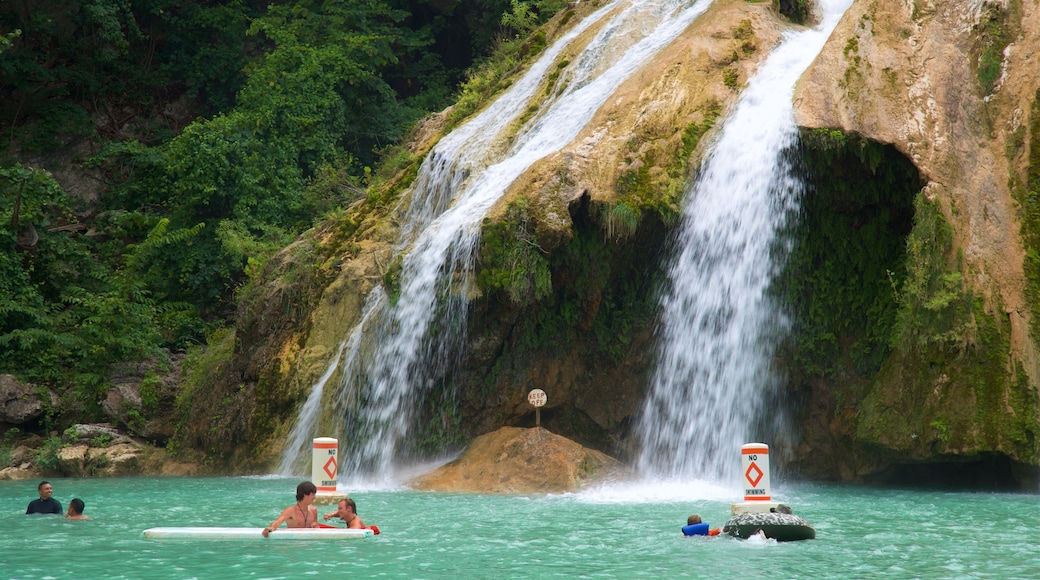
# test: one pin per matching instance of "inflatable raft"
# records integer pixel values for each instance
(778, 526)
(203, 533)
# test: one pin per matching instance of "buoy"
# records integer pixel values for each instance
(754, 475)
(324, 470)
(758, 513)
(324, 467)
(755, 467)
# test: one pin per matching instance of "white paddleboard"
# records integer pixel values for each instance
(216, 533)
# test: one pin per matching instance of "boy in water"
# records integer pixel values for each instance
(75, 511)
(301, 514)
(695, 527)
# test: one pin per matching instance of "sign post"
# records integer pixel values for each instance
(537, 399)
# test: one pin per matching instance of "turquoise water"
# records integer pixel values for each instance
(623, 532)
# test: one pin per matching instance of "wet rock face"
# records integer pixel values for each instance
(914, 75)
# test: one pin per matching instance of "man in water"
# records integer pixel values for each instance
(348, 513)
(76, 510)
(46, 504)
(301, 514)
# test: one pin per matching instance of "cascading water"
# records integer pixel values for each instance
(719, 326)
(395, 359)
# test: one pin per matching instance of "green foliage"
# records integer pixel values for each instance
(621, 221)
(300, 100)
(7, 446)
(441, 426)
(317, 99)
(521, 19)
(201, 365)
(510, 258)
(149, 392)
(101, 440)
(46, 455)
(485, 80)
(608, 296)
(934, 306)
(392, 279)
(96, 463)
(1029, 200)
(930, 398)
(309, 107)
(7, 39)
(731, 77)
(992, 37)
(640, 192)
(796, 10)
(67, 310)
(494, 74)
(745, 34)
(76, 58)
(846, 243)
(691, 136)
(942, 431)
(524, 17)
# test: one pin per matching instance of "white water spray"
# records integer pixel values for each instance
(719, 327)
(460, 180)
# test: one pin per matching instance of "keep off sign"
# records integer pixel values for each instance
(536, 397)
(755, 466)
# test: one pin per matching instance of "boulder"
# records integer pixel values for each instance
(515, 460)
(103, 433)
(19, 456)
(119, 400)
(18, 473)
(19, 402)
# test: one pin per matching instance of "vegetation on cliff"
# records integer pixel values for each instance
(217, 132)
(249, 155)
(912, 359)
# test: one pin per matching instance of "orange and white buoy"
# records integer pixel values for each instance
(754, 468)
(325, 470)
(754, 475)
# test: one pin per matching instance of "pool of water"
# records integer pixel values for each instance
(630, 531)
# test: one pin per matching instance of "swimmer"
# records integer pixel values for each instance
(348, 513)
(75, 511)
(301, 514)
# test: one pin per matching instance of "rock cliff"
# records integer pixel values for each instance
(944, 92)
(953, 87)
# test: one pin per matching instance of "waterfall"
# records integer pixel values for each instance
(714, 381)
(409, 342)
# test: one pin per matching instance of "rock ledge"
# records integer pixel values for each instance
(515, 460)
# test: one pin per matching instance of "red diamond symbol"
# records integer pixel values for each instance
(330, 467)
(753, 474)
